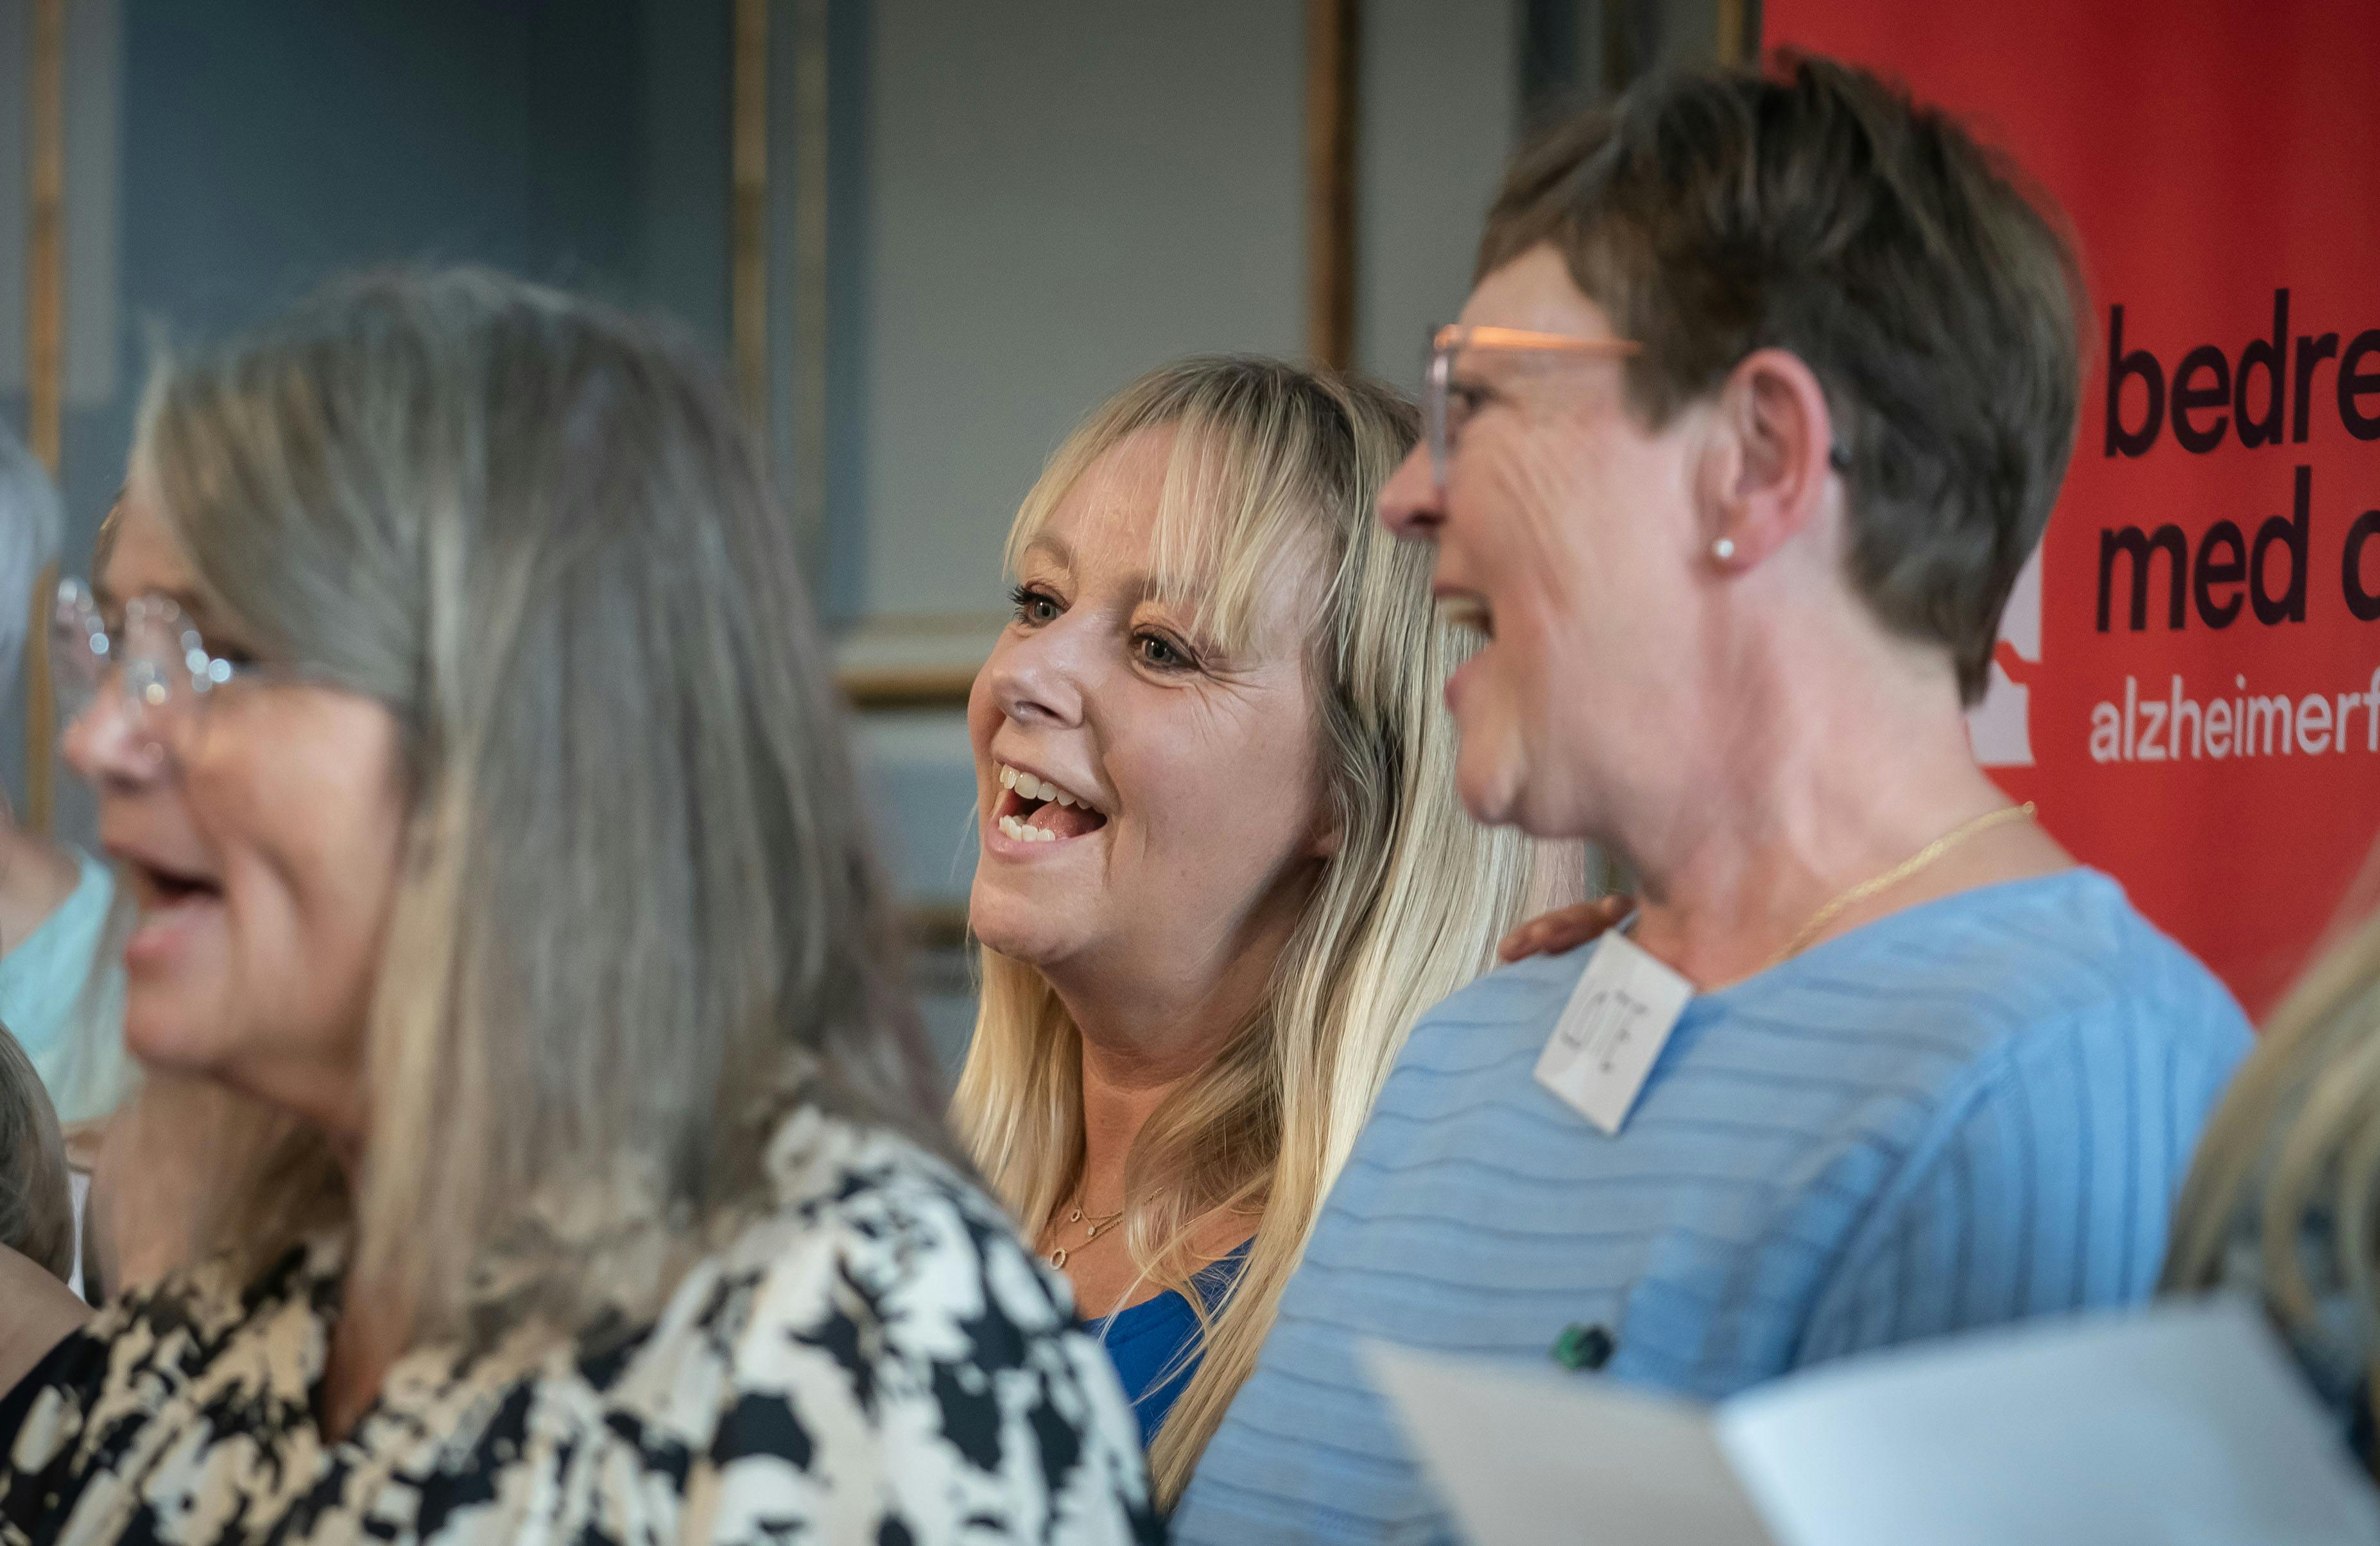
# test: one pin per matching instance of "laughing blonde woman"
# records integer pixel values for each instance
(1222, 864)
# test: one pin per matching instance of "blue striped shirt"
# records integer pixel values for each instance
(1967, 1112)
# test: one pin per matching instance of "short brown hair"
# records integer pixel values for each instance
(1924, 280)
(36, 1198)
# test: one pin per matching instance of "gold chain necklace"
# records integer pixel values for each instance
(1897, 873)
(1091, 1231)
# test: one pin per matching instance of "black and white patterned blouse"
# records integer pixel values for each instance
(878, 1359)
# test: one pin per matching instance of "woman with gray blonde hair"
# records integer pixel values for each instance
(2283, 1199)
(459, 724)
(54, 899)
(1222, 864)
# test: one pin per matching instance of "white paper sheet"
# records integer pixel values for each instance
(2173, 1427)
(1529, 1455)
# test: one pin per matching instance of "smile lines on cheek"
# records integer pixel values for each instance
(1035, 810)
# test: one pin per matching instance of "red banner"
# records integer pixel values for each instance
(2189, 673)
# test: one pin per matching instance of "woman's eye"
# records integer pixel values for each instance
(1035, 607)
(1155, 649)
(236, 653)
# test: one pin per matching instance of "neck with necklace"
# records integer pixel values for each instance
(1073, 1231)
(1852, 896)
(1119, 1093)
(1704, 957)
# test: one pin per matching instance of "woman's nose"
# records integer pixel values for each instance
(105, 743)
(1411, 504)
(1037, 679)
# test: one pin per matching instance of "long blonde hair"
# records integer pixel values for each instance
(1268, 460)
(2290, 1161)
(636, 920)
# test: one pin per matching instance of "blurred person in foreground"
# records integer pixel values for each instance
(1222, 866)
(37, 1225)
(457, 721)
(54, 899)
(1761, 399)
(2283, 1199)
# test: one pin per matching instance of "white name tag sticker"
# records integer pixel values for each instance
(1618, 1019)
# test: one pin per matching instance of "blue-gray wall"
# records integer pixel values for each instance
(260, 146)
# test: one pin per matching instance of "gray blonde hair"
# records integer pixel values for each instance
(1268, 461)
(36, 1198)
(638, 920)
(2289, 1164)
(30, 523)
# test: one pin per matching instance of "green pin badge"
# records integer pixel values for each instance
(1583, 1346)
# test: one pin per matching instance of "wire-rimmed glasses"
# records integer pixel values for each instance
(1440, 422)
(160, 663)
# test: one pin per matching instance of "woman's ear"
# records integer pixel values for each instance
(1771, 458)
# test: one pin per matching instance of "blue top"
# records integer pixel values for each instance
(1148, 1342)
(81, 1059)
(1970, 1111)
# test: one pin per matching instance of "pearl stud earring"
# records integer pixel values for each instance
(1723, 549)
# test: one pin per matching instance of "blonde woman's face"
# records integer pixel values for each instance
(1150, 806)
(261, 852)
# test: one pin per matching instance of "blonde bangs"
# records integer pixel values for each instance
(1239, 503)
(1239, 495)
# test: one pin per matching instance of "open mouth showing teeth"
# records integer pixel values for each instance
(1035, 810)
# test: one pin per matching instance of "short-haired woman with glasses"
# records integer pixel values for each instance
(461, 732)
(1758, 404)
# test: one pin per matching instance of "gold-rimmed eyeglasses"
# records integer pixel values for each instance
(1443, 412)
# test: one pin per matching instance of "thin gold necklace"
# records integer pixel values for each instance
(1091, 1231)
(1897, 873)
